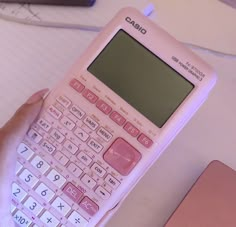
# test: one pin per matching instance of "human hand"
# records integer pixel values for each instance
(11, 135)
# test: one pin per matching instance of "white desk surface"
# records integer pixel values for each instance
(26, 60)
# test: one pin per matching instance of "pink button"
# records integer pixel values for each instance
(72, 192)
(145, 141)
(104, 107)
(89, 206)
(122, 156)
(116, 117)
(131, 129)
(90, 96)
(79, 87)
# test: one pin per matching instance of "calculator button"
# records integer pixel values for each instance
(145, 141)
(102, 193)
(48, 147)
(57, 136)
(131, 129)
(75, 84)
(90, 96)
(21, 219)
(112, 181)
(98, 170)
(34, 136)
(49, 219)
(72, 192)
(44, 124)
(81, 134)
(34, 206)
(97, 147)
(64, 101)
(117, 118)
(12, 208)
(92, 124)
(89, 206)
(28, 178)
(45, 192)
(104, 107)
(88, 181)
(77, 112)
(25, 151)
(84, 158)
(72, 148)
(75, 169)
(61, 158)
(56, 178)
(54, 112)
(18, 192)
(69, 124)
(61, 206)
(104, 134)
(18, 167)
(39, 164)
(77, 220)
(122, 156)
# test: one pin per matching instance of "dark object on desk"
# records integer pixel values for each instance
(211, 202)
(54, 2)
(231, 3)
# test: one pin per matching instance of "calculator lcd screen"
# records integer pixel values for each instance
(141, 78)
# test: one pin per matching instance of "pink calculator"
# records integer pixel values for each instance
(106, 123)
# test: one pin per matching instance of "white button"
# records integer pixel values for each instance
(84, 158)
(112, 181)
(44, 124)
(61, 158)
(70, 147)
(61, 206)
(92, 124)
(34, 206)
(48, 147)
(98, 170)
(97, 147)
(64, 101)
(75, 169)
(101, 192)
(25, 151)
(21, 219)
(49, 219)
(56, 178)
(77, 220)
(104, 134)
(54, 112)
(12, 208)
(67, 123)
(57, 136)
(18, 192)
(34, 136)
(81, 134)
(18, 167)
(46, 193)
(41, 165)
(77, 112)
(29, 178)
(88, 181)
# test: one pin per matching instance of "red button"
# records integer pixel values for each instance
(89, 206)
(116, 117)
(104, 107)
(90, 96)
(131, 129)
(72, 192)
(122, 156)
(145, 141)
(79, 87)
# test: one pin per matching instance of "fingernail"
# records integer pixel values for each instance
(36, 97)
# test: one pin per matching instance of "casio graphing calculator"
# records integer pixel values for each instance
(106, 123)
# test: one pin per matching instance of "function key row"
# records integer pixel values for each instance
(107, 109)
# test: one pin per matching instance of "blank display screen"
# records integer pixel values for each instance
(141, 78)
